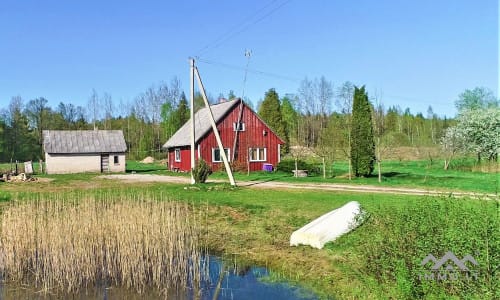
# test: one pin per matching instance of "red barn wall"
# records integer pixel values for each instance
(252, 137)
(184, 164)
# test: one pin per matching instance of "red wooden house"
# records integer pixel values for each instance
(248, 141)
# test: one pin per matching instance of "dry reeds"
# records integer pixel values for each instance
(71, 242)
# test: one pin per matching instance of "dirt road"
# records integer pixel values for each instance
(303, 186)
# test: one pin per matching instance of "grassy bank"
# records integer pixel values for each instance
(379, 260)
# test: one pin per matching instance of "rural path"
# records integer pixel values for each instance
(302, 186)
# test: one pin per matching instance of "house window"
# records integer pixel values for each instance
(238, 126)
(116, 160)
(258, 154)
(177, 155)
(216, 157)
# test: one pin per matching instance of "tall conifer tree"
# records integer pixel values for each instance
(363, 145)
(270, 112)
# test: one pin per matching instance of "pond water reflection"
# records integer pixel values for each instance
(223, 281)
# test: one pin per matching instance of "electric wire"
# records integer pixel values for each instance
(254, 71)
(234, 32)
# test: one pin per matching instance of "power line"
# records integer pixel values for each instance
(258, 72)
(234, 31)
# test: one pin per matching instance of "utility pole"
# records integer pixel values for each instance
(215, 131)
(193, 69)
(191, 72)
(248, 53)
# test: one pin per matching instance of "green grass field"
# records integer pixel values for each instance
(379, 260)
(414, 174)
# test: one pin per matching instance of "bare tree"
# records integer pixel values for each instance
(107, 103)
(324, 91)
(344, 98)
(94, 107)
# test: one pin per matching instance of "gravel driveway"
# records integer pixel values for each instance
(303, 186)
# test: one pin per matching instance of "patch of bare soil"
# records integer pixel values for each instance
(148, 160)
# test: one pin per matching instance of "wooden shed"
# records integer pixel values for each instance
(248, 141)
(78, 151)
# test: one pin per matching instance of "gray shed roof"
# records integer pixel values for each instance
(84, 141)
(202, 124)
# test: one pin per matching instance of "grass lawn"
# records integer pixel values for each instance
(414, 174)
(379, 260)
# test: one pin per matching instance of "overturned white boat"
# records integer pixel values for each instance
(328, 227)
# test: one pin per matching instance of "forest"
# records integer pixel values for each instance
(316, 120)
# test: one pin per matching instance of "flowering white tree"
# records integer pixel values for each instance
(481, 129)
(453, 143)
(477, 131)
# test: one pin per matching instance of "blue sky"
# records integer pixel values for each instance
(412, 53)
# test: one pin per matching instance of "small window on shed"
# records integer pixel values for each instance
(116, 160)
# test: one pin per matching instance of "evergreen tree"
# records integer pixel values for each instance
(270, 112)
(363, 145)
(181, 114)
(290, 117)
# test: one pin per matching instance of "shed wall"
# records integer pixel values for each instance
(80, 163)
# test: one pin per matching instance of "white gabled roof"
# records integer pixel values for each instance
(202, 124)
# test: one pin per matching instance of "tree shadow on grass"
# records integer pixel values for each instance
(394, 174)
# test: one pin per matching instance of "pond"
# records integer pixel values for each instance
(223, 281)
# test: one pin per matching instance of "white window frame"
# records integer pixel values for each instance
(177, 155)
(258, 154)
(235, 126)
(228, 154)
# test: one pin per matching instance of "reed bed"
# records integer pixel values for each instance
(71, 242)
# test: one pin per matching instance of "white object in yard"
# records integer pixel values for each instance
(328, 227)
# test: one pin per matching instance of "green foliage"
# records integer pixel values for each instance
(362, 145)
(290, 117)
(401, 236)
(478, 98)
(288, 166)
(270, 112)
(181, 114)
(201, 171)
(5, 196)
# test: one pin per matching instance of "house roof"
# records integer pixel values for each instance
(202, 124)
(83, 141)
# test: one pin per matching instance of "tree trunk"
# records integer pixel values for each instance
(379, 171)
(324, 168)
(349, 157)
(296, 168)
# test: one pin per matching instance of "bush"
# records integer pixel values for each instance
(288, 166)
(401, 237)
(201, 171)
(5, 196)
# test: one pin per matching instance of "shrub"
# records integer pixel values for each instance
(201, 171)
(5, 196)
(288, 166)
(401, 237)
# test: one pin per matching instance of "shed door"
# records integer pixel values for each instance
(104, 163)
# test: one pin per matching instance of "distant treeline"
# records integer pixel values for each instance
(318, 117)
